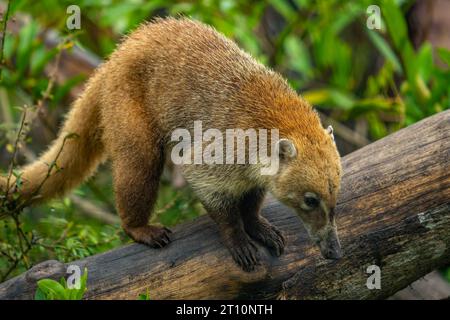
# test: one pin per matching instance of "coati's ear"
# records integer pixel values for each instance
(286, 149)
(329, 130)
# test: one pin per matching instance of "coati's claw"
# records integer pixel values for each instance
(268, 235)
(245, 255)
(155, 237)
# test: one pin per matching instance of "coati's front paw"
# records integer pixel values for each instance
(155, 237)
(245, 254)
(268, 235)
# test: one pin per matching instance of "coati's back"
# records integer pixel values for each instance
(192, 72)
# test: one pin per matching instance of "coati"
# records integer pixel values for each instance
(165, 75)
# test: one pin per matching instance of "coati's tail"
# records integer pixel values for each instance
(78, 150)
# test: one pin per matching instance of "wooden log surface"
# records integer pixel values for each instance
(433, 286)
(393, 211)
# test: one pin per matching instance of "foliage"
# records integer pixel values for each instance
(447, 274)
(144, 296)
(49, 289)
(60, 234)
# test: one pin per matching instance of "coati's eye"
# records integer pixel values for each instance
(311, 201)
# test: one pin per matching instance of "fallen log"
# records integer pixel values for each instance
(393, 212)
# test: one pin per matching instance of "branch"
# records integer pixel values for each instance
(90, 209)
(393, 211)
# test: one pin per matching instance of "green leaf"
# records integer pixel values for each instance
(83, 284)
(378, 103)
(63, 282)
(40, 295)
(26, 37)
(9, 46)
(40, 58)
(396, 23)
(424, 61)
(342, 99)
(341, 21)
(330, 98)
(385, 50)
(377, 127)
(422, 91)
(49, 289)
(283, 8)
(398, 32)
(144, 296)
(298, 55)
(317, 97)
(444, 54)
(52, 289)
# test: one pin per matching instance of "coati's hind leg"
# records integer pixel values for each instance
(224, 210)
(257, 226)
(137, 166)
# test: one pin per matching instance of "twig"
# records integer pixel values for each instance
(7, 255)
(3, 36)
(14, 264)
(15, 151)
(24, 249)
(52, 77)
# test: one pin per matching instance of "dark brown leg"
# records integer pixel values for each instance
(257, 226)
(137, 167)
(224, 211)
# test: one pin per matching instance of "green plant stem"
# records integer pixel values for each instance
(3, 35)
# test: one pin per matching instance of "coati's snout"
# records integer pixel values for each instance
(319, 220)
(329, 245)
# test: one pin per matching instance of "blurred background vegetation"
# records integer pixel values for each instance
(367, 83)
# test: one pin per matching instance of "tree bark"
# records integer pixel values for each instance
(393, 212)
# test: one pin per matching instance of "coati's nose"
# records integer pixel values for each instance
(332, 254)
(330, 248)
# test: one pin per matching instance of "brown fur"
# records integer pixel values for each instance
(165, 75)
